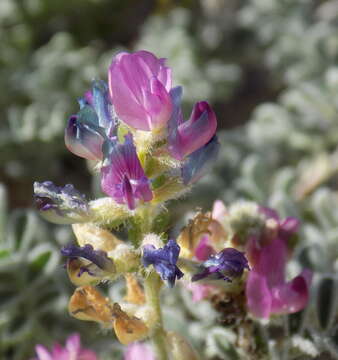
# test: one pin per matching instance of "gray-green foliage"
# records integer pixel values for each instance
(35, 290)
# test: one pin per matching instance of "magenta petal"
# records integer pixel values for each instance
(194, 133)
(292, 296)
(139, 85)
(258, 295)
(289, 226)
(43, 353)
(128, 193)
(203, 250)
(87, 355)
(123, 177)
(73, 343)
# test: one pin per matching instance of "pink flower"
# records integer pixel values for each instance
(139, 85)
(138, 351)
(72, 351)
(267, 290)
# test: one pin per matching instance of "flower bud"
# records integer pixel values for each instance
(60, 205)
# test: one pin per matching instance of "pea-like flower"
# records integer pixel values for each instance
(92, 125)
(139, 85)
(185, 137)
(86, 265)
(267, 290)
(60, 205)
(164, 261)
(71, 351)
(122, 176)
(228, 263)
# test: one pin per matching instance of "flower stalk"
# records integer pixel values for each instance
(152, 286)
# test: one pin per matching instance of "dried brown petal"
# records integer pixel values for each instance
(135, 294)
(88, 304)
(128, 329)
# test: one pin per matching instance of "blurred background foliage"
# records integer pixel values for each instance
(269, 67)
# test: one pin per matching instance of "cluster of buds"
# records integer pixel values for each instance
(267, 242)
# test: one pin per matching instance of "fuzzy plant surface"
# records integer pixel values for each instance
(133, 131)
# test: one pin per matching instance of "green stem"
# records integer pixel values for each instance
(152, 286)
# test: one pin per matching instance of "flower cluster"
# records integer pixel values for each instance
(134, 120)
(266, 241)
(131, 127)
(133, 131)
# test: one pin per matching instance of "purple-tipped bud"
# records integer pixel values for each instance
(60, 205)
(189, 136)
(87, 130)
(123, 177)
(226, 264)
(83, 140)
(200, 161)
(139, 85)
(164, 261)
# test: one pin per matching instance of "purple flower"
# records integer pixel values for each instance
(138, 351)
(139, 85)
(224, 265)
(200, 161)
(61, 205)
(92, 125)
(122, 176)
(267, 290)
(98, 265)
(164, 261)
(72, 351)
(185, 137)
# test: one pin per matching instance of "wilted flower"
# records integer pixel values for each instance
(72, 351)
(185, 137)
(164, 261)
(139, 85)
(123, 177)
(128, 328)
(88, 304)
(60, 205)
(225, 265)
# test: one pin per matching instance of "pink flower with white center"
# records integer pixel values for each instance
(139, 351)
(267, 291)
(72, 351)
(139, 85)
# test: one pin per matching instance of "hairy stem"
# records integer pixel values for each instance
(152, 286)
